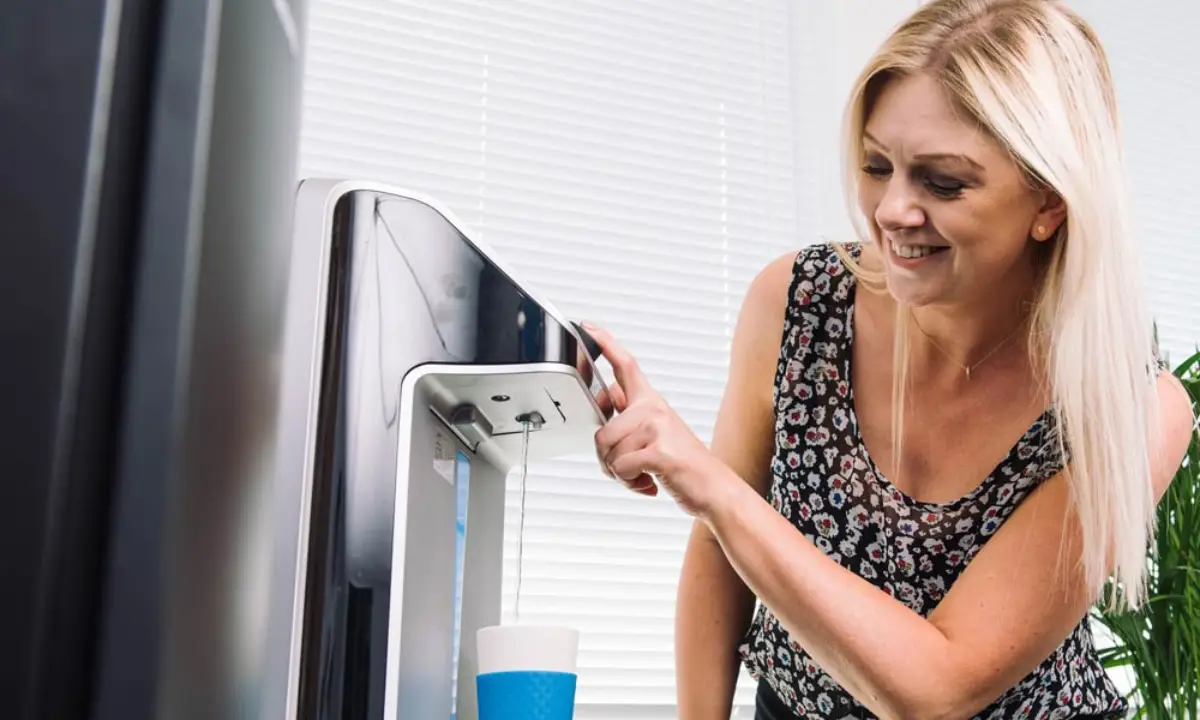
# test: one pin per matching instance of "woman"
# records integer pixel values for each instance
(938, 443)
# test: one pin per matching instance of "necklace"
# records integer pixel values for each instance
(966, 368)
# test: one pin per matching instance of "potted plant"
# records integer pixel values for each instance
(1158, 646)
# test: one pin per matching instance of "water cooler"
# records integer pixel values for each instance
(414, 363)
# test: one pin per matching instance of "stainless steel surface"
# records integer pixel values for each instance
(189, 529)
(470, 424)
(397, 313)
(305, 335)
(216, 648)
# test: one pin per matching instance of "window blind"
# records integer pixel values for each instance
(1153, 57)
(640, 161)
(632, 159)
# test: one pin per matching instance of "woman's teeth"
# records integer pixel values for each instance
(914, 251)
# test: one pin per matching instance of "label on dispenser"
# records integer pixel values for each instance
(444, 453)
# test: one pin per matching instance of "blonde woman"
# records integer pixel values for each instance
(938, 443)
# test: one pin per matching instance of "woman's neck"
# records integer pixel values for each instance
(968, 335)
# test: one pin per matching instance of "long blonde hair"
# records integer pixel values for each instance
(1033, 75)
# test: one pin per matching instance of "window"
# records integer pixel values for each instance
(1153, 57)
(640, 161)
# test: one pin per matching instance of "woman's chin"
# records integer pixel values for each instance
(914, 294)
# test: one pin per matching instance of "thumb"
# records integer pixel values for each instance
(630, 379)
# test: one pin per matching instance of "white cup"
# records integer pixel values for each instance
(545, 648)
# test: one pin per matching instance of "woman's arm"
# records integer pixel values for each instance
(998, 621)
(714, 606)
(1014, 604)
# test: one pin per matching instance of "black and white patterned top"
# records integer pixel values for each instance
(826, 484)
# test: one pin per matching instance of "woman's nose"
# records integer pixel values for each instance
(899, 208)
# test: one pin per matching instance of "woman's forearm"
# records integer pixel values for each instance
(889, 657)
(713, 610)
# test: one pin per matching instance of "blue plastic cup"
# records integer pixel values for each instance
(526, 672)
(526, 695)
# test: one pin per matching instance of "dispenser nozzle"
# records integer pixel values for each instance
(533, 419)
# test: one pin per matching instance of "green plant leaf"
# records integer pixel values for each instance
(1159, 643)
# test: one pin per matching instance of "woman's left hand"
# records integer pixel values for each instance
(647, 439)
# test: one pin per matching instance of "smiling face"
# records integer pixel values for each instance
(954, 217)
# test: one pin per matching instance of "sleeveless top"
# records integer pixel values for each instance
(826, 484)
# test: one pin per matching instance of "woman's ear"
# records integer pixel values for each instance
(1051, 216)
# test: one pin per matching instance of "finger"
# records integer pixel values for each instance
(618, 397)
(613, 397)
(622, 437)
(629, 444)
(643, 484)
(625, 367)
(607, 437)
(632, 466)
(615, 430)
(604, 468)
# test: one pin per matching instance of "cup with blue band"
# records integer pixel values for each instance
(526, 672)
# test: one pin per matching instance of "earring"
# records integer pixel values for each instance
(1041, 230)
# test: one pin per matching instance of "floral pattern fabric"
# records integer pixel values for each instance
(826, 484)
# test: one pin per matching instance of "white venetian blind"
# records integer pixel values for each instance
(631, 158)
(1154, 56)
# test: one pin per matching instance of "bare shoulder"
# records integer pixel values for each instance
(768, 292)
(1177, 427)
(743, 437)
(756, 338)
(759, 332)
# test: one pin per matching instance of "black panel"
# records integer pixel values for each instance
(129, 663)
(72, 97)
(334, 624)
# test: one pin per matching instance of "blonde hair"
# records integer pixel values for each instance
(1032, 74)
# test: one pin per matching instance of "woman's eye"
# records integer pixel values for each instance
(877, 170)
(944, 186)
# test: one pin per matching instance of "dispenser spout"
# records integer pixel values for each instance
(533, 419)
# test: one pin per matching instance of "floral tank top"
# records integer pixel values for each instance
(826, 484)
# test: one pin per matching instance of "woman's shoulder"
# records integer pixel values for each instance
(804, 280)
(826, 258)
(806, 267)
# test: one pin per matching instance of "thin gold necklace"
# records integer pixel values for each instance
(966, 368)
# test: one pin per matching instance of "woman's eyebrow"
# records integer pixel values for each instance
(932, 157)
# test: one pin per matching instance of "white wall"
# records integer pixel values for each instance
(831, 41)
